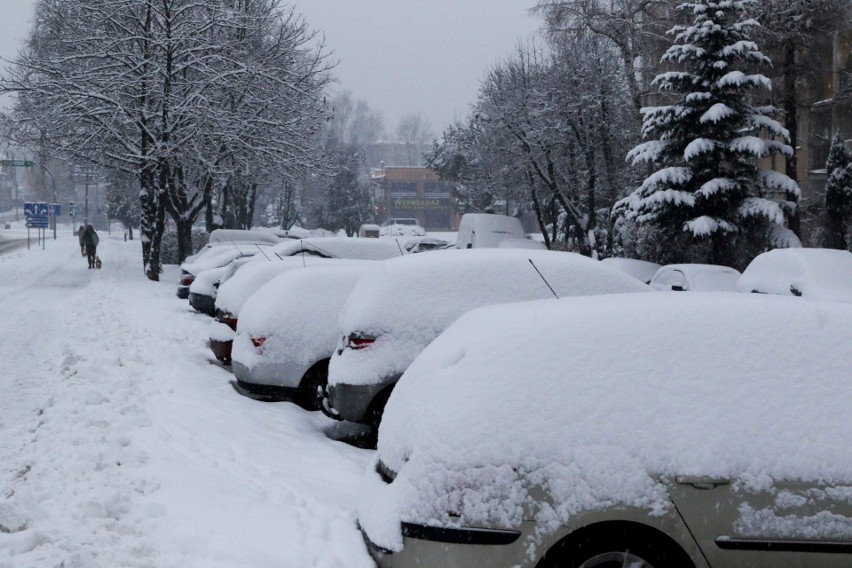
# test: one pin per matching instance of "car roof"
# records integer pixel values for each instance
(422, 293)
(502, 379)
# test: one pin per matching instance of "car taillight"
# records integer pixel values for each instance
(357, 341)
(187, 279)
(258, 342)
(227, 319)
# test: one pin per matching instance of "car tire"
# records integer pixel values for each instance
(317, 376)
(614, 545)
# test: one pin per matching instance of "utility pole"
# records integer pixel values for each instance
(86, 213)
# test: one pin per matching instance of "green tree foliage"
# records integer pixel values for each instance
(838, 196)
(706, 190)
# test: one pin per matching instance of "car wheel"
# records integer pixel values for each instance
(315, 378)
(616, 545)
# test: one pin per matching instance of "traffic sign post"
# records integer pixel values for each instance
(38, 217)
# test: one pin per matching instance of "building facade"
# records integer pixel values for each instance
(415, 192)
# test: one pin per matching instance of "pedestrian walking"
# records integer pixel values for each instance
(80, 232)
(90, 242)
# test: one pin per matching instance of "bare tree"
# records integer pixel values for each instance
(191, 97)
(415, 133)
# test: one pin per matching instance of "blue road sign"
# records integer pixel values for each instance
(37, 222)
(41, 209)
(29, 209)
(54, 209)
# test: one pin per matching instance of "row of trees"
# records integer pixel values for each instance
(552, 124)
(193, 100)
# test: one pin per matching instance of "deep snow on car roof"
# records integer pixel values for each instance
(822, 274)
(234, 292)
(596, 398)
(430, 291)
(343, 247)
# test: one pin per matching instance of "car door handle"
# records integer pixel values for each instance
(703, 483)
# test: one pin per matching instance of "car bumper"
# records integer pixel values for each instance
(183, 292)
(352, 402)
(283, 375)
(222, 350)
(454, 548)
(203, 303)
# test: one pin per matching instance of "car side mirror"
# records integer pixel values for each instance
(469, 245)
(678, 288)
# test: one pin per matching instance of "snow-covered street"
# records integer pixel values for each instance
(121, 445)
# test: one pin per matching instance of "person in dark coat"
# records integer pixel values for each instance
(90, 241)
(80, 232)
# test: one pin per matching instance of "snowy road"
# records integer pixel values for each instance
(122, 446)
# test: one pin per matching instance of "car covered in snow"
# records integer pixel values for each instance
(214, 257)
(577, 432)
(487, 230)
(695, 278)
(237, 237)
(288, 331)
(424, 244)
(642, 270)
(397, 309)
(822, 274)
(401, 227)
(238, 284)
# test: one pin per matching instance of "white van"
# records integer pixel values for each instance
(486, 230)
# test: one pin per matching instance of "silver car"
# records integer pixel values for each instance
(652, 430)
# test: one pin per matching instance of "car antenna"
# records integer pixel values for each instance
(236, 247)
(261, 252)
(302, 245)
(552, 291)
(400, 247)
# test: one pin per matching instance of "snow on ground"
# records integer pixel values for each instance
(122, 446)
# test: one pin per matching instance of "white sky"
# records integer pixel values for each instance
(400, 56)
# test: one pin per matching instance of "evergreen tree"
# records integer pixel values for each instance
(838, 196)
(704, 147)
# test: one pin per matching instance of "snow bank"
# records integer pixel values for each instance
(470, 426)
(408, 301)
(822, 274)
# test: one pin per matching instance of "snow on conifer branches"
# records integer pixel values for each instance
(705, 144)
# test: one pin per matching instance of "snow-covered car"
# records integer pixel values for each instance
(237, 237)
(401, 227)
(214, 257)
(578, 433)
(695, 278)
(487, 230)
(202, 291)
(423, 244)
(288, 331)
(642, 270)
(397, 309)
(822, 274)
(234, 291)
(231, 296)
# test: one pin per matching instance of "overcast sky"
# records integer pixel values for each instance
(400, 56)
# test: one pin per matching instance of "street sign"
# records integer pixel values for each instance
(54, 209)
(17, 163)
(36, 209)
(37, 222)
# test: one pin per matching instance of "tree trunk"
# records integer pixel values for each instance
(791, 121)
(154, 265)
(184, 237)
